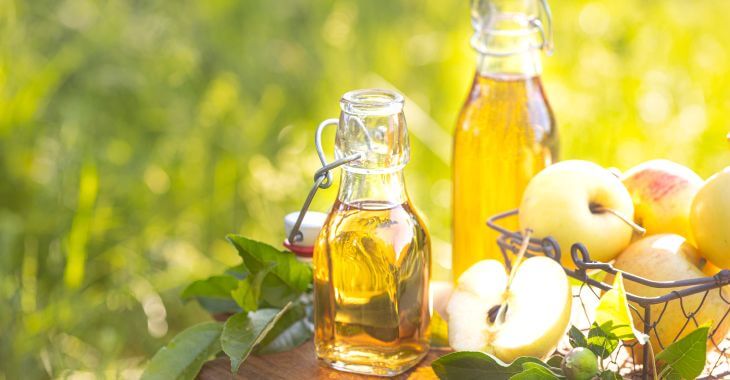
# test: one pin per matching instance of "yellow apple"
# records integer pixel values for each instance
(662, 192)
(536, 309)
(669, 257)
(710, 219)
(570, 201)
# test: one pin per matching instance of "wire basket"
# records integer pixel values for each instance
(628, 359)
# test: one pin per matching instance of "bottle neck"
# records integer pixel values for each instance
(525, 64)
(386, 188)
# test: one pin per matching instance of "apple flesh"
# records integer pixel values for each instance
(569, 201)
(669, 257)
(536, 309)
(662, 192)
(710, 219)
(440, 293)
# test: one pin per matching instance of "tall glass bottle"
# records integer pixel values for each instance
(505, 132)
(372, 259)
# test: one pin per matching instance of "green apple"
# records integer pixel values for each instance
(669, 257)
(662, 192)
(579, 201)
(535, 309)
(710, 219)
(580, 364)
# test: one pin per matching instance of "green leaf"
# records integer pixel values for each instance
(248, 292)
(609, 375)
(614, 307)
(214, 286)
(555, 361)
(289, 332)
(685, 358)
(243, 331)
(533, 371)
(576, 337)
(183, 357)
(287, 279)
(601, 339)
(213, 293)
(466, 365)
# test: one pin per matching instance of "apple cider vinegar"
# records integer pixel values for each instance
(372, 259)
(373, 292)
(505, 133)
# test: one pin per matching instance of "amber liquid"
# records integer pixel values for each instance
(372, 265)
(504, 136)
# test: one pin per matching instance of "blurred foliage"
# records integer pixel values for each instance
(135, 134)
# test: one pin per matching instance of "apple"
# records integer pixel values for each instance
(710, 269)
(579, 201)
(669, 257)
(527, 319)
(440, 293)
(710, 219)
(662, 192)
(580, 364)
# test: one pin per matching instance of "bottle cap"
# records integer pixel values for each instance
(309, 229)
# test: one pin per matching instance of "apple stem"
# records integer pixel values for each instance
(501, 312)
(637, 228)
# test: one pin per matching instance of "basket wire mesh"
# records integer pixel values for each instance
(589, 279)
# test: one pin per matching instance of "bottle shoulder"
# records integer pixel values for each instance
(498, 102)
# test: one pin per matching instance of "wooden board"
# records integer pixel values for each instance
(300, 364)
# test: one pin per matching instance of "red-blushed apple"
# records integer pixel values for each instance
(710, 219)
(662, 192)
(579, 201)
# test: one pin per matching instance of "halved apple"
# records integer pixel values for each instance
(528, 319)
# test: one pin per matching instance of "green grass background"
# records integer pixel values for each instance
(135, 134)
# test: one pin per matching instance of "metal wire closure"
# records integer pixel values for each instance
(546, 37)
(323, 175)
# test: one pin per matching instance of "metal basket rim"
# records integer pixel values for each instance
(581, 259)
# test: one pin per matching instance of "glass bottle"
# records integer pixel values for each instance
(506, 131)
(372, 259)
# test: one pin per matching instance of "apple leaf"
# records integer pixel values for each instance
(213, 293)
(469, 365)
(613, 307)
(555, 361)
(214, 286)
(183, 357)
(288, 277)
(602, 340)
(685, 358)
(576, 337)
(243, 331)
(248, 292)
(533, 371)
(609, 375)
(289, 332)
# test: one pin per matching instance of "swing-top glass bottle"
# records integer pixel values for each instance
(372, 258)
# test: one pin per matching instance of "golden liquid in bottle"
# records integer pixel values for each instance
(372, 314)
(504, 136)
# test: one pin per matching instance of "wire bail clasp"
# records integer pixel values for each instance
(487, 16)
(323, 175)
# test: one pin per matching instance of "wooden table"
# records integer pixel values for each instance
(300, 364)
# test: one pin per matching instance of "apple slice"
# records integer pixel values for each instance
(529, 319)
